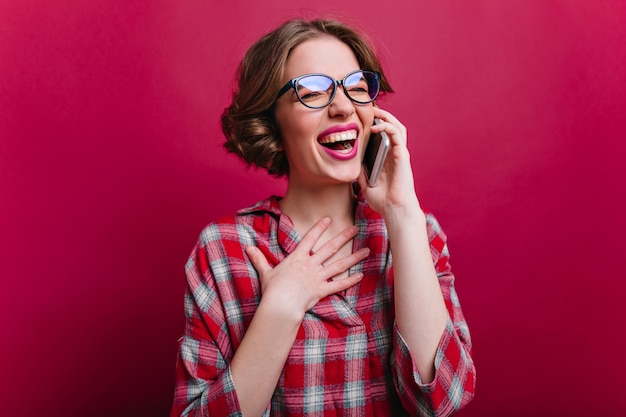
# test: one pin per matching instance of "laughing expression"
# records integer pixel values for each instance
(323, 145)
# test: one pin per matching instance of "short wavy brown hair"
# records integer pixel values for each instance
(249, 123)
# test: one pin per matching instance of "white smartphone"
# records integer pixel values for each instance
(375, 153)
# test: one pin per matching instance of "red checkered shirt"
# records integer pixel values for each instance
(348, 358)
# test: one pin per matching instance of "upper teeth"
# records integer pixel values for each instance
(339, 136)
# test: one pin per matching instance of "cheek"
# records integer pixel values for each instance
(366, 114)
(292, 133)
(297, 127)
(286, 119)
(367, 120)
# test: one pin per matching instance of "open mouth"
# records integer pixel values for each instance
(339, 141)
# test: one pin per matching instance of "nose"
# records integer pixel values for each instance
(341, 105)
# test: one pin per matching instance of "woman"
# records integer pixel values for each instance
(295, 306)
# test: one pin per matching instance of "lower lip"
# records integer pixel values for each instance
(342, 156)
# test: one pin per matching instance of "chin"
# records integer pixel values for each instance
(348, 178)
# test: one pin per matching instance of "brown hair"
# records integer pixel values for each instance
(248, 123)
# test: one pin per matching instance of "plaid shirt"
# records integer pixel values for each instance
(348, 358)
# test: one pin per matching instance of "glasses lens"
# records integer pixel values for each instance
(315, 90)
(362, 86)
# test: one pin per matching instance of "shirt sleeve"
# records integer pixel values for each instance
(454, 382)
(204, 385)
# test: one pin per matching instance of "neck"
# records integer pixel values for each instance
(306, 205)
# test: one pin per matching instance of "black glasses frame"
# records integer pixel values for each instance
(294, 81)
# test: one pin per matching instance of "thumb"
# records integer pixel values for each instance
(258, 260)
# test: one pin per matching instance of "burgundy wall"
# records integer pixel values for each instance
(111, 163)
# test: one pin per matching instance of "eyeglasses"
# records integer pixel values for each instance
(318, 90)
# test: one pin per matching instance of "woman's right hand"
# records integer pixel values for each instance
(297, 283)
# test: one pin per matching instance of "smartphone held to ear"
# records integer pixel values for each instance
(375, 154)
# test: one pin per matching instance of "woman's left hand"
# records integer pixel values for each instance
(395, 189)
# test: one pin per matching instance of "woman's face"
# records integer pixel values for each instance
(324, 145)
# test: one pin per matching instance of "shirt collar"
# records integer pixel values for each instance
(288, 238)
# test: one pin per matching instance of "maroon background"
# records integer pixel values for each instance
(111, 163)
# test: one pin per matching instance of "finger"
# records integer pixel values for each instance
(313, 235)
(258, 259)
(397, 134)
(333, 245)
(390, 124)
(333, 287)
(341, 265)
(385, 116)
